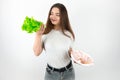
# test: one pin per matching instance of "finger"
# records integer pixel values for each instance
(42, 27)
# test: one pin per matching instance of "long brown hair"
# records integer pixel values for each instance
(64, 20)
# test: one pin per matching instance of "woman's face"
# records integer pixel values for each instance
(55, 16)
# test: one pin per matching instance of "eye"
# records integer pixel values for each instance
(57, 14)
(51, 13)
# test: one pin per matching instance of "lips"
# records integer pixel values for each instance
(53, 20)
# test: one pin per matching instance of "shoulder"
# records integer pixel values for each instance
(44, 36)
(69, 34)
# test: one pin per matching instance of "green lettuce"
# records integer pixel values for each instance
(31, 25)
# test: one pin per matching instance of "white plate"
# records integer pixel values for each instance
(79, 62)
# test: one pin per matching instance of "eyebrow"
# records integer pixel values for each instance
(55, 13)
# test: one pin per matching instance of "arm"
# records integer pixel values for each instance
(81, 57)
(38, 45)
(70, 50)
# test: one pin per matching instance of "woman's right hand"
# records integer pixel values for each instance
(41, 31)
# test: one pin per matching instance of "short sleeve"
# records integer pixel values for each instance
(43, 40)
(72, 44)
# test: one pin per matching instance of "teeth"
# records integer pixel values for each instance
(53, 20)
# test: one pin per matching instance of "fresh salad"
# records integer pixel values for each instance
(31, 25)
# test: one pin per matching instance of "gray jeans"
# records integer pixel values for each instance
(69, 74)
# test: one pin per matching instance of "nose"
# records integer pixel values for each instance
(53, 16)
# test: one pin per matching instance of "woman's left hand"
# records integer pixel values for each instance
(81, 57)
(86, 60)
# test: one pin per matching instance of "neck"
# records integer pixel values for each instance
(57, 27)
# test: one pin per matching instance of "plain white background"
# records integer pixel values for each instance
(96, 24)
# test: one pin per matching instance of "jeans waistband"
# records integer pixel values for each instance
(60, 69)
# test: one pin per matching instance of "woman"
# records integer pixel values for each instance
(56, 39)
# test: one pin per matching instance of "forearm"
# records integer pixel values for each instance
(70, 50)
(37, 47)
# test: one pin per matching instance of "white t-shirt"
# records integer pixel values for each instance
(56, 46)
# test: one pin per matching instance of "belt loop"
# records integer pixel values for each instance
(66, 69)
(52, 69)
